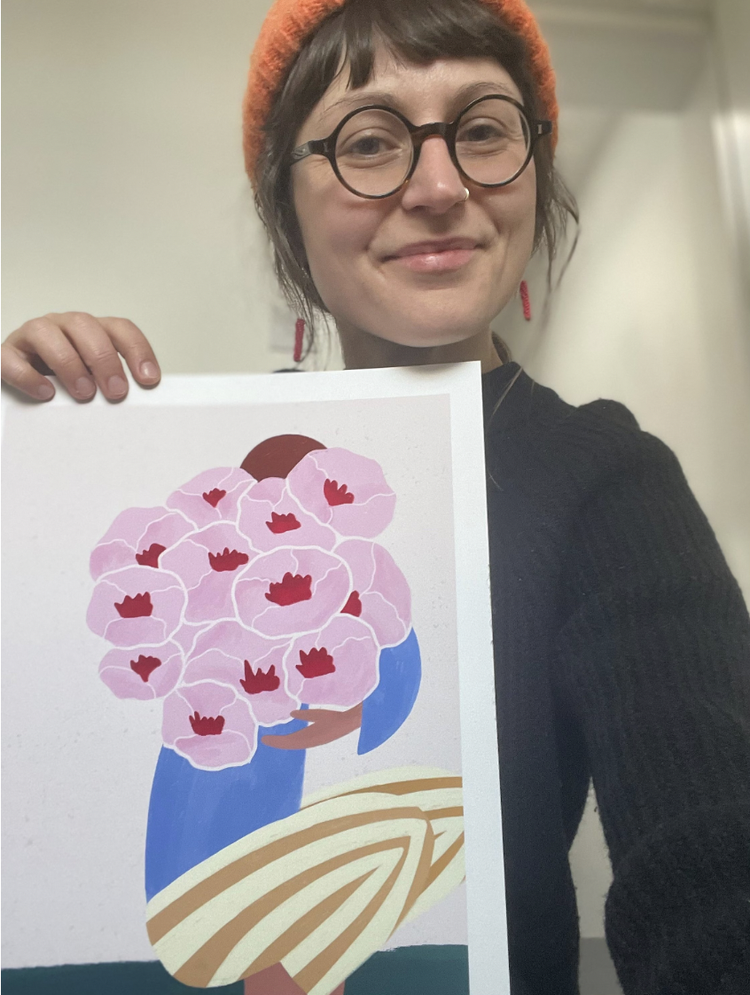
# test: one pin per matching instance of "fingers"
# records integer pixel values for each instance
(299, 740)
(44, 342)
(82, 351)
(309, 714)
(19, 373)
(133, 345)
(324, 714)
(93, 348)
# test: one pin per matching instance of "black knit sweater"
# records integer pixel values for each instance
(622, 653)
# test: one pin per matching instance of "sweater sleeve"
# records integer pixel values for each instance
(653, 657)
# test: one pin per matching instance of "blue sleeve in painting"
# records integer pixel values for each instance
(388, 707)
(195, 813)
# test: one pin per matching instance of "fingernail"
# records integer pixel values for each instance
(149, 370)
(116, 386)
(84, 387)
(45, 392)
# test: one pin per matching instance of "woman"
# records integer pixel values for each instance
(622, 642)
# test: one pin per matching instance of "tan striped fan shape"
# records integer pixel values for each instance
(320, 891)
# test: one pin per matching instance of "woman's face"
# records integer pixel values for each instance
(355, 247)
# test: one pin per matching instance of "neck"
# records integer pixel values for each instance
(363, 351)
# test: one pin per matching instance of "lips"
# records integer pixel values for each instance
(433, 247)
(437, 256)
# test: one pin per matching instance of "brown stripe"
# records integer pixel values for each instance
(403, 787)
(419, 882)
(299, 930)
(319, 966)
(225, 877)
(444, 813)
(205, 962)
(442, 862)
(323, 963)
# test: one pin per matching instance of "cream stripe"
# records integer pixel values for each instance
(370, 871)
(335, 816)
(371, 928)
(271, 916)
(319, 891)
(197, 928)
(379, 779)
(451, 874)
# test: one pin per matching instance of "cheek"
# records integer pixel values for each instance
(513, 210)
(336, 229)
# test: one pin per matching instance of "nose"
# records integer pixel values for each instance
(436, 184)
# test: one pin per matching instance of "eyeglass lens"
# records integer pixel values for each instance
(374, 150)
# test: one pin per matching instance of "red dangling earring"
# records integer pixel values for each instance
(525, 300)
(299, 337)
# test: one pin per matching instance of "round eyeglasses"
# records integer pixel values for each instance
(375, 150)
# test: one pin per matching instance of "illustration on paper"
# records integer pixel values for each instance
(257, 603)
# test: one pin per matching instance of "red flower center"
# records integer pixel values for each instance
(316, 663)
(337, 495)
(291, 590)
(227, 560)
(282, 523)
(258, 682)
(213, 497)
(144, 666)
(204, 725)
(150, 557)
(138, 607)
(353, 605)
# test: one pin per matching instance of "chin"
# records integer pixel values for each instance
(427, 334)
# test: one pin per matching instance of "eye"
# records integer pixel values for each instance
(483, 131)
(372, 137)
(368, 145)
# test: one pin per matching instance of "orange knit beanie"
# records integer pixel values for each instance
(290, 23)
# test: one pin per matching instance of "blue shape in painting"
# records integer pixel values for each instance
(389, 705)
(195, 813)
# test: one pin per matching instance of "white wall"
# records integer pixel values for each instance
(125, 194)
(733, 124)
(125, 191)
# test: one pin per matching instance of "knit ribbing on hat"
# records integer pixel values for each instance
(290, 23)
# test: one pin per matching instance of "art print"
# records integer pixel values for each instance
(265, 615)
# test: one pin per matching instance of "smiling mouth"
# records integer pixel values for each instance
(435, 260)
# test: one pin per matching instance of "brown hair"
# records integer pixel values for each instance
(418, 31)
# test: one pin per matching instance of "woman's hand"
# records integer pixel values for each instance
(82, 351)
(325, 726)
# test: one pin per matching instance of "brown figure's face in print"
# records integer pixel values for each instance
(278, 456)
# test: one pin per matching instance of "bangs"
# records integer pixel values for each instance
(422, 31)
(417, 32)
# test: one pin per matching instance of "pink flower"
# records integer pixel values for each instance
(343, 490)
(252, 666)
(142, 672)
(291, 590)
(209, 725)
(380, 593)
(208, 562)
(137, 536)
(137, 606)
(186, 635)
(270, 517)
(336, 667)
(212, 496)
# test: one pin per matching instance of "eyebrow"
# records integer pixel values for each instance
(462, 96)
